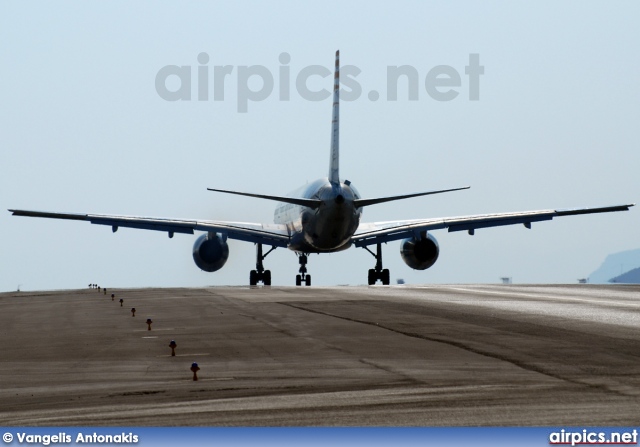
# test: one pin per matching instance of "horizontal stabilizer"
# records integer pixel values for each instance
(311, 203)
(359, 203)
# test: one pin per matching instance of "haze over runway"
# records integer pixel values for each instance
(358, 356)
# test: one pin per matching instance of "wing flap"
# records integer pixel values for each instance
(68, 216)
(604, 209)
(142, 223)
(498, 220)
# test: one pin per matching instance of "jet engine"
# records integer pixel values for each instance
(210, 252)
(420, 254)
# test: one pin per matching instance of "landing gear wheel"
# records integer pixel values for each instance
(303, 277)
(260, 274)
(378, 273)
(266, 278)
(385, 277)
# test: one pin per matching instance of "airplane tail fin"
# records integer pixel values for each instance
(334, 161)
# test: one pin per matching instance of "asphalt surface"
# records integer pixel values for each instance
(346, 356)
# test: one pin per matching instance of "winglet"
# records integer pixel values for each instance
(334, 161)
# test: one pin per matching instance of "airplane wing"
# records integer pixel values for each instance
(372, 233)
(274, 235)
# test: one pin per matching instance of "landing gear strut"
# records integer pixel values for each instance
(260, 274)
(303, 277)
(378, 273)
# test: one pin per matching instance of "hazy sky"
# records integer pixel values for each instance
(83, 129)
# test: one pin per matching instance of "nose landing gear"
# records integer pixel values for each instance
(303, 277)
(260, 274)
(378, 273)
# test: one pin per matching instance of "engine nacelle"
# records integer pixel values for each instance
(420, 254)
(210, 252)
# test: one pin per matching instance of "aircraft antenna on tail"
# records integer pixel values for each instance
(334, 161)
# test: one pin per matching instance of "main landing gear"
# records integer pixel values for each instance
(303, 277)
(260, 274)
(378, 273)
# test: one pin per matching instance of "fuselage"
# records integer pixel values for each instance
(327, 228)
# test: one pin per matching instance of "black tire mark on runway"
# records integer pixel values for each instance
(406, 379)
(460, 345)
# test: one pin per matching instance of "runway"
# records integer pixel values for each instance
(433, 355)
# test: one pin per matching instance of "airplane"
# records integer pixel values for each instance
(323, 217)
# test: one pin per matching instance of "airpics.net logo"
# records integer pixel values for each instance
(256, 83)
(591, 437)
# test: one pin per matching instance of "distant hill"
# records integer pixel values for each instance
(615, 265)
(631, 277)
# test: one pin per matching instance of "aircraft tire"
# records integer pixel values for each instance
(308, 280)
(385, 277)
(253, 278)
(371, 277)
(266, 278)
(298, 280)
